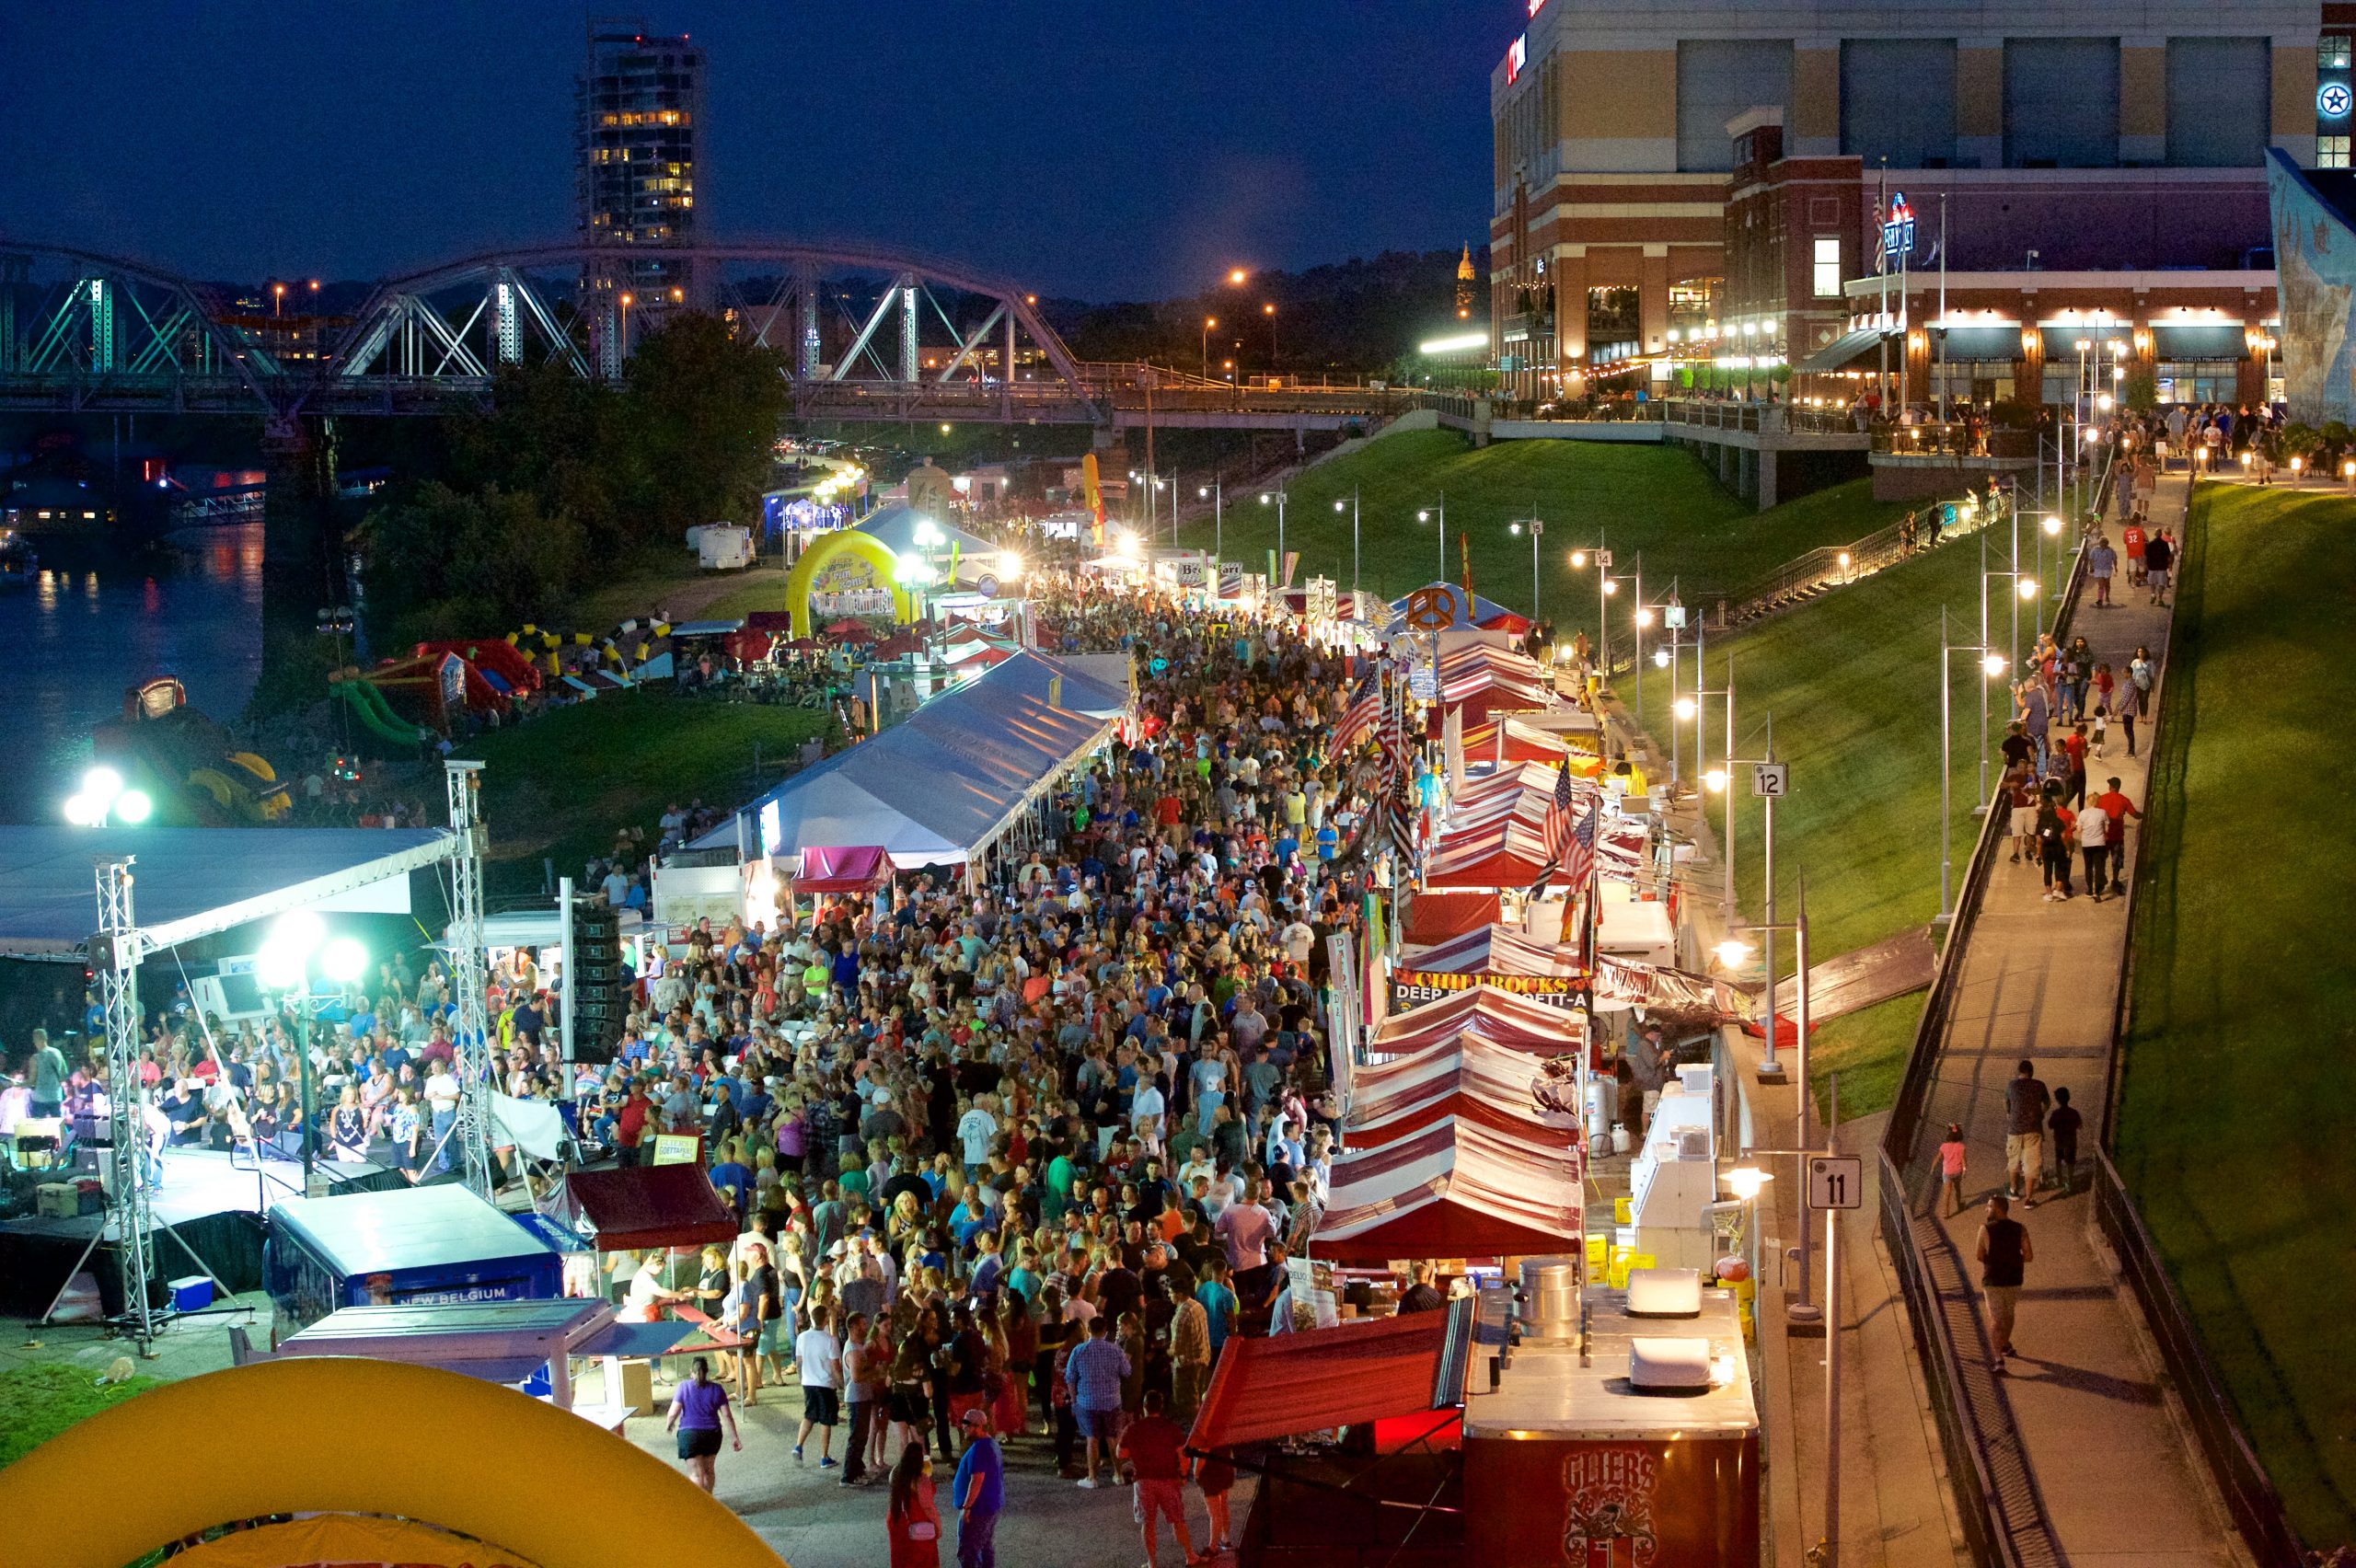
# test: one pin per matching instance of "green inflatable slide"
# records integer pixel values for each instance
(375, 715)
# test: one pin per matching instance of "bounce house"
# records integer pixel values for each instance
(190, 759)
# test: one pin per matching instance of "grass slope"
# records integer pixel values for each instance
(2240, 1073)
(1850, 681)
(39, 1401)
(1654, 498)
(563, 784)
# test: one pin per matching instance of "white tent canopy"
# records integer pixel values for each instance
(941, 786)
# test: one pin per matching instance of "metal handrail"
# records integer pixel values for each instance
(2248, 1493)
(1996, 1494)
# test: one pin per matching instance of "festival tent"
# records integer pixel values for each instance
(894, 527)
(841, 869)
(1546, 735)
(1436, 917)
(1486, 614)
(1493, 950)
(1093, 683)
(1622, 984)
(639, 1207)
(1454, 1190)
(1352, 1373)
(1535, 1099)
(1484, 1011)
(937, 788)
(1500, 853)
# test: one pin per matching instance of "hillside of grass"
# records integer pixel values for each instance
(562, 785)
(1850, 684)
(39, 1400)
(1655, 499)
(2238, 1071)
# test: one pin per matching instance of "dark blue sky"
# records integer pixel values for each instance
(1101, 148)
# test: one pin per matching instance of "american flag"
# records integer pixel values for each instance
(1558, 819)
(1359, 718)
(1578, 866)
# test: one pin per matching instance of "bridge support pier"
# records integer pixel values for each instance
(302, 563)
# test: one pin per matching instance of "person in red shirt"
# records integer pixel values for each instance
(630, 1126)
(2073, 745)
(1155, 1448)
(2131, 538)
(2119, 808)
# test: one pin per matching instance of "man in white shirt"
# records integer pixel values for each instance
(1148, 1100)
(820, 1356)
(975, 1128)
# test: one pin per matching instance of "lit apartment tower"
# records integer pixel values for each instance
(638, 121)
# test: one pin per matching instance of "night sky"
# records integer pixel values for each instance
(1097, 148)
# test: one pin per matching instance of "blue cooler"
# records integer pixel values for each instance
(192, 1293)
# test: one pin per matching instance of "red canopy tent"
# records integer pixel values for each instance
(1436, 917)
(1509, 852)
(1530, 1098)
(1493, 950)
(1345, 1376)
(1499, 1017)
(1454, 1190)
(839, 868)
(651, 1205)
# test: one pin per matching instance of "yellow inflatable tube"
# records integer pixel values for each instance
(236, 1445)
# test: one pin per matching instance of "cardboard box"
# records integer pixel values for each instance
(57, 1200)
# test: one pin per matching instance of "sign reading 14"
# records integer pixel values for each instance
(2333, 101)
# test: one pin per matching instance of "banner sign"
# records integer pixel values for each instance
(1413, 987)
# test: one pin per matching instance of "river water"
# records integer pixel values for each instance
(73, 639)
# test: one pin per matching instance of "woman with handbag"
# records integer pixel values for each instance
(913, 1521)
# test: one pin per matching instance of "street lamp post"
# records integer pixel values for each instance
(1215, 493)
(1269, 310)
(1718, 779)
(2023, 589)
(1537, 532)
(1440, 511)
(1731, 953)
(1279, 498)
(1353, 535)
(1992, 664)
(1209, 322)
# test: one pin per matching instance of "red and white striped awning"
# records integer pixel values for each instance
(1533, 1098)
(1499, 1017)
(1456, 1189)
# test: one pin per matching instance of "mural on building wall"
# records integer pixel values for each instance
(2315, 257)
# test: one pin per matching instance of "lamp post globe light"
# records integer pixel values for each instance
(1279, 498)
(103, 797)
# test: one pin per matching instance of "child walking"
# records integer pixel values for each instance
(1951, 1168)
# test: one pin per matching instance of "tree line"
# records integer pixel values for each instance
(566, 483)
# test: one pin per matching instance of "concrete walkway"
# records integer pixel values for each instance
(2079, 1406)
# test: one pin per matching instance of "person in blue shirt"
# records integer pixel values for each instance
(1218, 1303)
(979, 1492)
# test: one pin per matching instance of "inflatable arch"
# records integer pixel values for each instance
(230, 1451)
(860, 560)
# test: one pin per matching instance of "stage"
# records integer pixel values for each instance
(215, 1209)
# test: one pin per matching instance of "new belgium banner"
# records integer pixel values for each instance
(1412, 987)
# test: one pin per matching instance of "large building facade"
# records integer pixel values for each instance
(1708, 181)
(637, 128)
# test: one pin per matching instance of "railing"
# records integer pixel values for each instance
(2249, 1495)
(2004, 1516)
(1846, 564)
(1768, 419)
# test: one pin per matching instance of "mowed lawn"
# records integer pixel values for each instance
(2240, 1074)
(1850, 682)
(562, 785)
(1656, 498)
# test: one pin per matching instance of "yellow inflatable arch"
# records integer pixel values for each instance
(842, 547)
(558, 1492)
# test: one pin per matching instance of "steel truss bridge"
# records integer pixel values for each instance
(861, 333)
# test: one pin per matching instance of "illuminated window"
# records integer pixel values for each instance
(2331, 152)
(2333, 53)
(1828, 267)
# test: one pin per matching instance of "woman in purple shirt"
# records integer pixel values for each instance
(697, 1410)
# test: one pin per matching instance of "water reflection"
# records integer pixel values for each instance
(73, 640)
